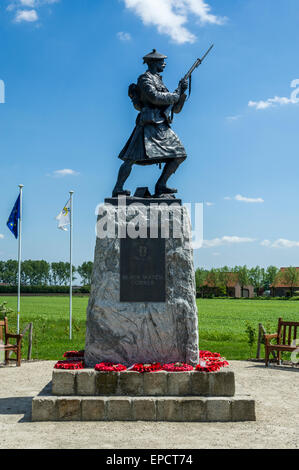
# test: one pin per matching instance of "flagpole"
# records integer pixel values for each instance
(19, 259)
(71, 260)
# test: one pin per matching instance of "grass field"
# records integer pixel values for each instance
(222, 323)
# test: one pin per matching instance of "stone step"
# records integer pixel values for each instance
(184, 409)
(88, 382)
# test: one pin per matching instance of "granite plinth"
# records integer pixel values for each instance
(142, 330)
(180, 409)
(88, 382)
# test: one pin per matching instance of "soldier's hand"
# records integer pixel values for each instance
(183, 85)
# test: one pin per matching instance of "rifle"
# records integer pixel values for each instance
(177, 108)
(194, 66)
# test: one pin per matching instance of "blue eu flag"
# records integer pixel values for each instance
(12, 222)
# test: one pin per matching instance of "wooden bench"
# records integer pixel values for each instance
(285, 336)
(5, 344)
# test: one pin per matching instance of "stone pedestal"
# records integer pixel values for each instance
(142, 304)
(142, 309)
(87, 395)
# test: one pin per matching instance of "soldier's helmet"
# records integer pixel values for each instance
(154, 55)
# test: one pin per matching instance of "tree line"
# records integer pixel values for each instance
(41, 273)
(260, 278)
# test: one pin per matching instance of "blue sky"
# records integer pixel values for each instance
(67, 64)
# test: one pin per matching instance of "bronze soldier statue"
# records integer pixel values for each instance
(153, 140)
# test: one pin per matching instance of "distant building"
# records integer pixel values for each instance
(282, 288)
(233, 288)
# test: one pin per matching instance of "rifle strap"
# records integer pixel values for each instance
(190, 82)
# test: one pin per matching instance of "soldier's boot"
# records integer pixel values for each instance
(168, 170)
(123, 175)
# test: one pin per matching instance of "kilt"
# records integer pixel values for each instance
(152, 143)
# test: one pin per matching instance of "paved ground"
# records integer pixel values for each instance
(276, 391)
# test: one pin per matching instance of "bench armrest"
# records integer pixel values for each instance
(269, 337)
(18, 337)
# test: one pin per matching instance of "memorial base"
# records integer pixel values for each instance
(142, 306)
(87, 395)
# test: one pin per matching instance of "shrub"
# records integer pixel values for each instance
(251, 334)
(4, 311)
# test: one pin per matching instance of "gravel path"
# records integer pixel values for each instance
(276, 391)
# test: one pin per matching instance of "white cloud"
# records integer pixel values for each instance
(241, 198)
(171, 16)
(226, 240)
(1, 235)
(269, 103)
(122, 36)
(28, 3)
(199, 8)
(27, 10)
(280, 243)
(283, 243)
(233, 118)
(266, 243)
(28, 16)
(65, 172)
(210, 204)
(238, 197)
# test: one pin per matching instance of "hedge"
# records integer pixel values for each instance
(42, 290)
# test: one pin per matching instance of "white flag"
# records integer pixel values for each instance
(64, 218)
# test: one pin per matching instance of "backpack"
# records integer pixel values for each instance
(134, 94)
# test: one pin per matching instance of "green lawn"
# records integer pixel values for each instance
(50, 319)
(222, 323)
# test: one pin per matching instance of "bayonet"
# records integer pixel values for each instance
(178, 107)
(197, 63)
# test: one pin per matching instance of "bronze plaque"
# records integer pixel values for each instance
(142, 270)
